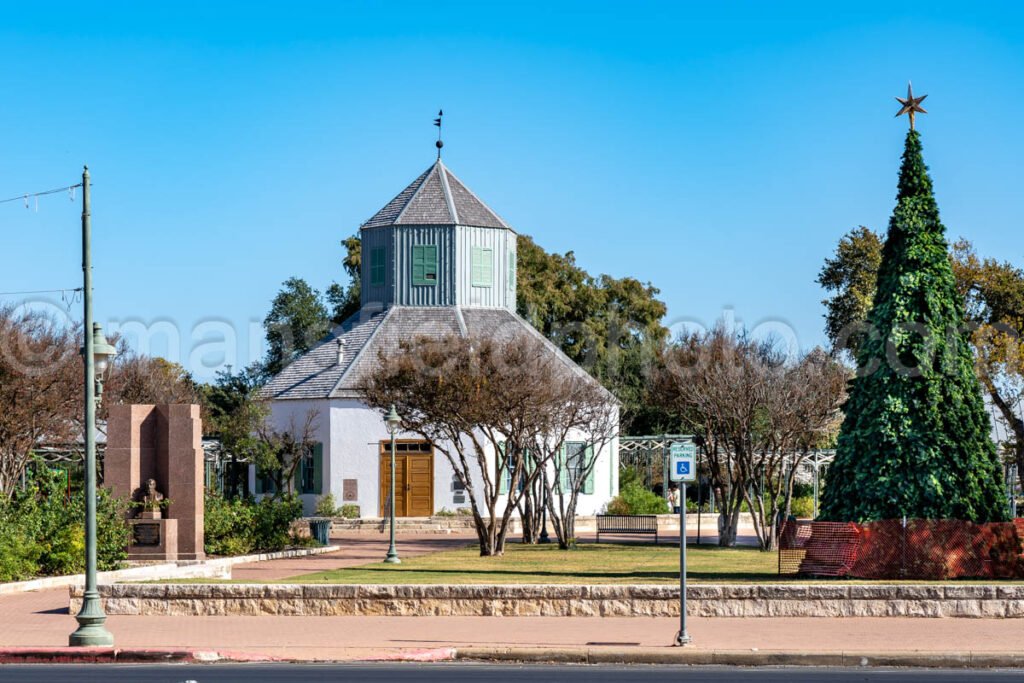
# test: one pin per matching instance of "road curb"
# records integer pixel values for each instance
(439, 654)
(109, 655)
(687, 656)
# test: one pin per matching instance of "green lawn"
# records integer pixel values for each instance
(587, 564)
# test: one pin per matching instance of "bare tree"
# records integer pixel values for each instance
(40, 389)
(756, 415)
(485, 405)
(138, 379)
(801, 414)
(278, 452)
(589, 415)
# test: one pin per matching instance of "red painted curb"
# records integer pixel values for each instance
(56, 655)
(108, 655)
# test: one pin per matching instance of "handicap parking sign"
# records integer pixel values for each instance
(683, 462)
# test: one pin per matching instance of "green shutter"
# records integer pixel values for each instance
(417, 265)
(512, 270)
(504, 478)
(424, 264)
(563, 470)
(487, 268)
(318, 468)
(588, 485)
(259, 481)
(482, 267)
(297, 477)
(377, 267)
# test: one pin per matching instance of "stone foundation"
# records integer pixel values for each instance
(975, 601)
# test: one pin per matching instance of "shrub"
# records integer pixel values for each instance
(327, 506)
(634, 499)
(19, 553)
(349, 511)
(803, 489)
(242, 525)
(113, 533)
(272, 521)
(42, 530)
(227, 525)
(802, 507)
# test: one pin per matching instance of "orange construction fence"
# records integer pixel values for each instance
(921, 549)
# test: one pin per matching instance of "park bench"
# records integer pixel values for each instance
(639, 525)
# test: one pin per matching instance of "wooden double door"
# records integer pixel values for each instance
(414, 478)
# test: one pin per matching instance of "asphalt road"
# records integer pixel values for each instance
(456, 673)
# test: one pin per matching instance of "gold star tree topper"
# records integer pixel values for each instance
(911, 105)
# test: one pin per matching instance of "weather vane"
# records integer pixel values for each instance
(911, 105)
(437, 122)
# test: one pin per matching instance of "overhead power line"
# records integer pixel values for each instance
(43, 291)
(35, 195)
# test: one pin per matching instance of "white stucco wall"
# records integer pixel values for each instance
(356, 433)
(292, 415)
(606, 477)
(351, 434)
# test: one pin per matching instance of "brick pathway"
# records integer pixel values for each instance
(355, 550)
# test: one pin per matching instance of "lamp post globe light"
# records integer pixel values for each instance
(103, 360)
(96, 355)
(393, 422)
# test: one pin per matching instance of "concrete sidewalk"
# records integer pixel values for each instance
(40, 620)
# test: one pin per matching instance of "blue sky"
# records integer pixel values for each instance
(717, 152)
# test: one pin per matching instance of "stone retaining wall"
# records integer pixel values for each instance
(970, 601)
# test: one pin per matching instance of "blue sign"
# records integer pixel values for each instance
(683, 468)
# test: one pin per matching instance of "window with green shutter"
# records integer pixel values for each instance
(482, 267)
(575, 457)
(588, 484)
(505, 478)
(424, 264)
(309, 475)
(266, 483)
(377, 266)
(318, 468)
(562, 471)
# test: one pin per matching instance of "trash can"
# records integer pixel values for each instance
(320, 529)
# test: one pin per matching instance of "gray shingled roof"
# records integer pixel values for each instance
(318, 374)
(437, 197)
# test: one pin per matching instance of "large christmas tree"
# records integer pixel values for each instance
(916, 438)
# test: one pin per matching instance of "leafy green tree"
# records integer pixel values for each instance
(994, 294)
(850, 275)
(610, 326)
(297, 320)
(232, 413)
(344, 301)
(915, 439)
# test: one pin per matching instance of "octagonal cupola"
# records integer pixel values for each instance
(437, 244)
